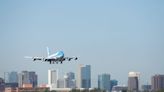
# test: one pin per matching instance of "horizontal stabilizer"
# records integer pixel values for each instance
(27, 57)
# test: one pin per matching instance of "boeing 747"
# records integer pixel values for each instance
(54, 58)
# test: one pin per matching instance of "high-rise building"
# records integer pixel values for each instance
(112, 84)
(20, 80)
(13, 77)
(2, 85)
(133, 82)
(6, 77)
(84, 76)
(23, 78)
(120, 88)
(69, 80)
(104, 82)
(146, 88)
(26, 77)
(60, 83)
(52, 78)
(157, 82)
(33, 79)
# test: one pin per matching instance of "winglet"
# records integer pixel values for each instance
(48, 51)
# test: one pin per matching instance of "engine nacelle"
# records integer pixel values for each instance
(76, 58)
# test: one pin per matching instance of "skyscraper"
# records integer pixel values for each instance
(146, 88)
(6, 77)
(133, 83)
(69, 80)
(26, 77)
(2, 85)
(33, 79)
(157, 82)
(13, 77)
(52, 78)
(20, 80)
(112, 84)
(60, 83)
(104, 82)
(84, 76)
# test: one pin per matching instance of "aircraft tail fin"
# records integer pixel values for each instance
(48, 51)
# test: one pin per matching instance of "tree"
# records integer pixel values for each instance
(97, 90)
(53, 91)
(46, 90)
(75, 90)
(161, 90)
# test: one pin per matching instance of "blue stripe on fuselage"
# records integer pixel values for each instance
(59, 54)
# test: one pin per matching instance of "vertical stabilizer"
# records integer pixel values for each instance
(48, 51)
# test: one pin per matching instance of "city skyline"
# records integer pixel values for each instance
(114, 37)
(69, 81)
(54, 78)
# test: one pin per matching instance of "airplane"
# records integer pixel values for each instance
(54, 58)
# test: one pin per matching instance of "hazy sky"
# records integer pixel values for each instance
(114, 37)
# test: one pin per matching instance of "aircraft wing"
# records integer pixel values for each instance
(35, 58)
(52, 60)
(71, 58)
(59, 60)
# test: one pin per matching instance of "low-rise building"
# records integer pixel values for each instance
(38, 89)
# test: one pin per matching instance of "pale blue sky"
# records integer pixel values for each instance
(112, 36)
